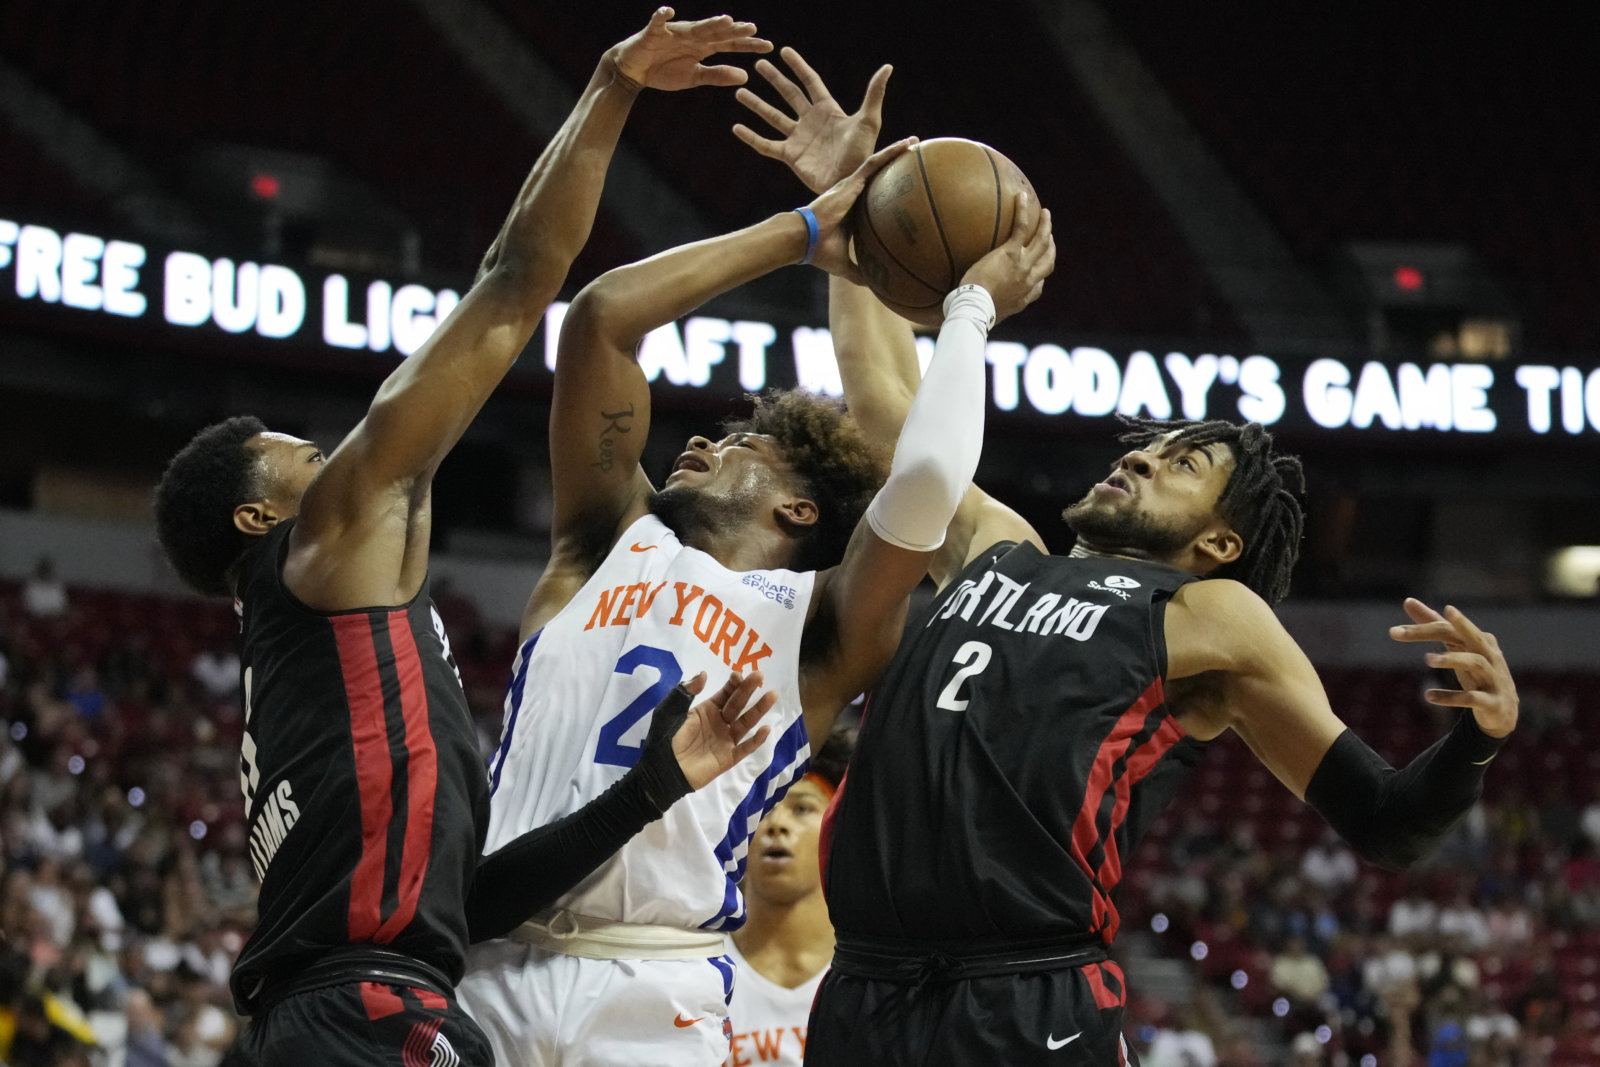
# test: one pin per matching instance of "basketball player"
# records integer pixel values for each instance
(1042, 710)
(366, 798)
(783, 948)
(764, 550)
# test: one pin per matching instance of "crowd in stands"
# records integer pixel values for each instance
(126, 886)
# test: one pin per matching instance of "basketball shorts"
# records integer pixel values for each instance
(546, 1009)
(1054, 1018)
(361, 1024)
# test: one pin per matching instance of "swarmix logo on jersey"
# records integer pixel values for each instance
(724, 631)
(1000, 598)
(1115, 585)
(782, 594)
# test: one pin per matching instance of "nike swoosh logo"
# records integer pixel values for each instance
(637, 547)
(1052, 1044)
(680, 1021)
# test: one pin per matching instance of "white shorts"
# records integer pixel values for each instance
(544, 1009)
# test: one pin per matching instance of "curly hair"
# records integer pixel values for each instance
(834, 463)
(194, 501)
(1261, 500)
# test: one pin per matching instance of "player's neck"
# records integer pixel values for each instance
(1081, 549)
(751, 548)
(788, 944)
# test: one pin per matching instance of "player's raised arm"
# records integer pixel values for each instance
(935, 456)
(874, 346)
(1271, 695)
(601, 411)
(422, 409)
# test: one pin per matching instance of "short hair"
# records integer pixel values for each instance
(213, 474)
(1261, 500)
(829, 761)
(837, 467)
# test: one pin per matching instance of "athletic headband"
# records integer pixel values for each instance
(820, 782)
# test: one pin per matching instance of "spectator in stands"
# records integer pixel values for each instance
(1328, 864)
(43, 594)
(1463, 920)
(147, 1047)
(1186, 1043)
(1413, 915)
(1300, 976)
(217, 672)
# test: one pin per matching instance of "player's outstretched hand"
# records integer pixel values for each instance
(1481, 671)
(1015, 271)
(722, 729)
(819, 142)
(668, 55)
(832, 253)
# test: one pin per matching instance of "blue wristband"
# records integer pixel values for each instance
(811, 232)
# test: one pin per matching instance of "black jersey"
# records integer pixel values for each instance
(1015, 749)
(366, 795)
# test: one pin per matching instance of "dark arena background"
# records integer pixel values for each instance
(1375, 230)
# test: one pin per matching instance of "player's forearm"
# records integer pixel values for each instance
(1395, 818)
(877, 358)
(624, 304)
(939, 446)
(555, 208)
(520, 880)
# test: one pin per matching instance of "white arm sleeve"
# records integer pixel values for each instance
(942, 438)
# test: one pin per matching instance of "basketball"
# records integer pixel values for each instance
(928, 216)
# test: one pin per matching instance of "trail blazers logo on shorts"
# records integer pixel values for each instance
(426, 1047)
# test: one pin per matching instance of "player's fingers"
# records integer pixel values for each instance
(883, 157)
(1470, 662)
(766, 112)
(1455, 698)
(785, 86)
(1420, 612)
(741, 44)
(1025, 216)
(751, 743)
(1426, 631)
(872, 103)
(661, 16)
(770, 149)
(741, 696)
(695, 684)
(1041, 243)
(809, 78)
(741, 726)
(1474, 638)
(719, 75)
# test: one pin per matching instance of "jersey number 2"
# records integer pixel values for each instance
(609, 748)
(974, 657)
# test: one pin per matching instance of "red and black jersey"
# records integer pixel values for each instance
(365, 792)
(1011, 756)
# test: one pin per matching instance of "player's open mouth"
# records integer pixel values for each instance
(691, 461)
(776, 854)
(1117, 484)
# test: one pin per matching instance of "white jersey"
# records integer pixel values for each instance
(769, 1021)
(582, 690)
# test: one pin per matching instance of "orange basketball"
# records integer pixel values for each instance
(928, 216)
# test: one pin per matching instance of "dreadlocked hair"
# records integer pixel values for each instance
(1261, 500)
(213, 474)
(833, 462)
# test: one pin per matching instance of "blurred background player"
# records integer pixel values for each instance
(365, 796)
(772, 549)
(786, 943)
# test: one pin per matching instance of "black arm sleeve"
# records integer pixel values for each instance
(1395, 818)
(520, 880)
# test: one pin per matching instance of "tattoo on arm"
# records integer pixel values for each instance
(615, 427)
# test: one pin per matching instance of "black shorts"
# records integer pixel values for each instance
(358, 1024)
(1051, 1018)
